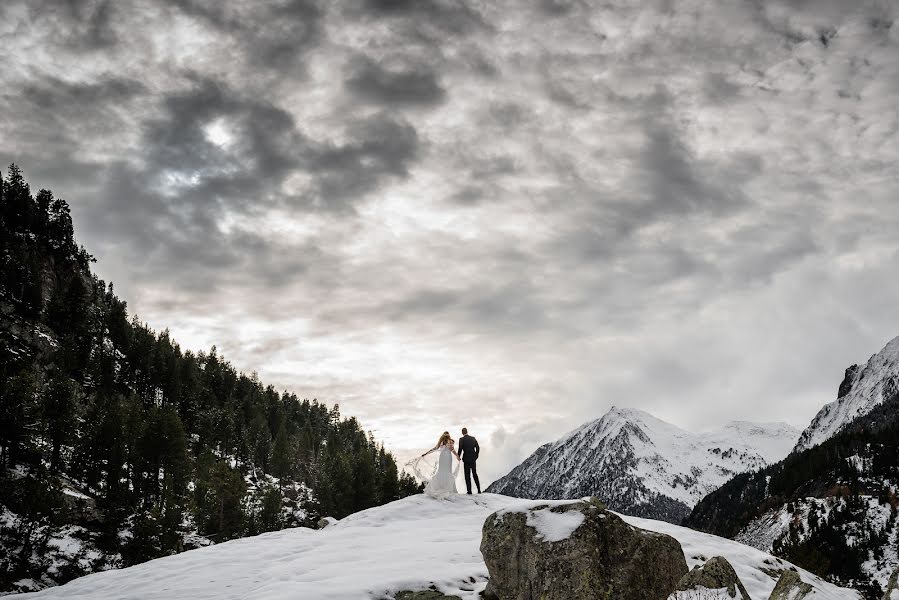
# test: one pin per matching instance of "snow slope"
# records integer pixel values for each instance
(409, 544)
(862, 389)
(641, 465)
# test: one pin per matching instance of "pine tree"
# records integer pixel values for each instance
(174, 462)
(59, 412)
(18, 410)
(17, 204)
(281, 459)
(364, 484)
(270, 515)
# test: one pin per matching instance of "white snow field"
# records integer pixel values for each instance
(409, 544)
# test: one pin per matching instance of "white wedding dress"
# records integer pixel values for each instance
(443, 483)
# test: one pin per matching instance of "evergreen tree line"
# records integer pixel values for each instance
(159, 441)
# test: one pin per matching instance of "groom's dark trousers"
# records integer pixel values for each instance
(471, 470)
(468, 452)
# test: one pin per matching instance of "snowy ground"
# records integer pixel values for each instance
(406, 545)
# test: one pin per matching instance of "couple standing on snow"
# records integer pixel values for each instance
(443, 483)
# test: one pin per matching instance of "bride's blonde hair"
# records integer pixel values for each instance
(444, 439)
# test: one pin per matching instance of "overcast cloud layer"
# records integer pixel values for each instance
(509, 216)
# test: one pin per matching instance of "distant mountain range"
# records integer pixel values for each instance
(643, 466)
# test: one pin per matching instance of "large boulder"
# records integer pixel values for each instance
(715, 579)
(80, 507)
(574, 551)
(790, 587)
(326, 522)
(892, 591)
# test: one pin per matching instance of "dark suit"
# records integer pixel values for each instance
(468, 452)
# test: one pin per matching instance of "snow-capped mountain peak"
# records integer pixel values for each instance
(642, 465)
(862, 389)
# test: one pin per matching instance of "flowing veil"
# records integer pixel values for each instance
(424, 468)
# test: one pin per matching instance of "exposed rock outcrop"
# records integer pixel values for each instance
(424, 595)
(790, 587)
(325, 522)
(575, 551)
(80, 508)
(892, 590)
(715, 579)
(848, 381)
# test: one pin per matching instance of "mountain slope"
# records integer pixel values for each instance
(117, 447)
(862, 389)
(410, 544)
(641, 465)
(832, 508)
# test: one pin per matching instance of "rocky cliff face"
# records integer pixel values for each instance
(862, 389)
(643, 466)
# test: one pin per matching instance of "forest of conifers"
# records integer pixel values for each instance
(110, 425)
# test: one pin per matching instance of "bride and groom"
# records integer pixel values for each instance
(443, 483)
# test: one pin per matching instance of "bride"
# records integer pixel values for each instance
(443, 482)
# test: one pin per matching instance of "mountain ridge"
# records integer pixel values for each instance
(642, 465)
(862, 389)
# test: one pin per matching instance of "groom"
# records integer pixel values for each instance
(468, 454)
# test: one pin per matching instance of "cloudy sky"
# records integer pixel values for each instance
(505, 215)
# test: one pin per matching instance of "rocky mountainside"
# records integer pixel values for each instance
(643, 466)
(862, 389)
(832, 508)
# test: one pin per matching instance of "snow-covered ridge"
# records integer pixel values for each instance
(409, 544)
(863, 388)
(642, 465)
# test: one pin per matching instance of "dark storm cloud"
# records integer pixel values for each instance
(162, 232)
(49, 112)
(80, 25)
(271, 35)
(557, 7)
(676, 182)
(379, 146)
(268, 141)
(268, 147)
(173, 201)
(455, 17)
(58, 96)
(413, 84)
